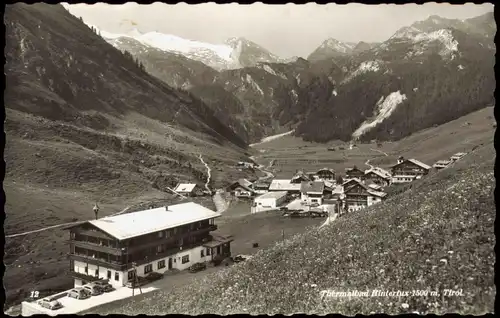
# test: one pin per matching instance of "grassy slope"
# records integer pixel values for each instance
(398, 245)
(56, 173)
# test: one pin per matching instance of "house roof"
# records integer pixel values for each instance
(261, 184)
(352, 169)
(416, 162)
(381, 173)
(271, 195)
(352, 179)
(329, 184)
(374, 186)
(326, 169)
(185, 187)
(283, 185)
(357, 183)
(244, 183)
(443, 162)
(459, 154)
(377, 193)
(134, 224)
(312, 187)
(419, 163)
(300, 174)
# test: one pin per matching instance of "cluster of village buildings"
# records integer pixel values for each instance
(119, 248)
(325, 189)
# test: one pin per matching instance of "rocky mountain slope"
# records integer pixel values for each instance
(234, 53)
(67, 77)
(424, 75)
(332, 48)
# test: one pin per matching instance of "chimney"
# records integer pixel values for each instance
(401, 159)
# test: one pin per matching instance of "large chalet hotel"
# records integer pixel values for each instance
(161, 239)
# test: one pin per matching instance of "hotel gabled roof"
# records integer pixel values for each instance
(139, 223)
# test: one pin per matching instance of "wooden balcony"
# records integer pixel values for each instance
(97, 247)
(172, 239)
(122, 266)
(96, 234)
(97, 261)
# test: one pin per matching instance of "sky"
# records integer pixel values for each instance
(285, 30)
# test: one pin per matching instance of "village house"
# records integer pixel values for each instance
(326, 174)
(189, 189)
(359, 196)
(350, 182)
(244, 165)
(268, 201)
(457, 156)
(407, 170)
(284, 185)
(441, 164)
(156, 240)
(299, 177)
(311, 192)
(373, 186)
(377, 176)
(354, 172)
(260, 187)
(241, 189)
(312, 175)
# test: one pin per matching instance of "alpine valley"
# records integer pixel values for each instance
(426, 74)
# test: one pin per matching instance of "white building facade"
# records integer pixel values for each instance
(268, 201)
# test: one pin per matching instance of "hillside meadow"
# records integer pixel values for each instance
(437, 235)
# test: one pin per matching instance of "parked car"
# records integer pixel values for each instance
(93, 288)
(50, 304)
(141, 281)
(104, 285)
(151, 277)
(197, 267)
(218, 259)
(239, 258)
(79, 293)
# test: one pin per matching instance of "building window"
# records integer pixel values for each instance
(185, 259)
(117, 276)
(159, 248)
(160, 234)
(161, 264)
(86, 270)
(97, 272)
(148, 268)
(130, 275)
(109, 274)
(202, 253)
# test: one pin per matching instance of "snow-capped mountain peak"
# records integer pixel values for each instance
(337, 45)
